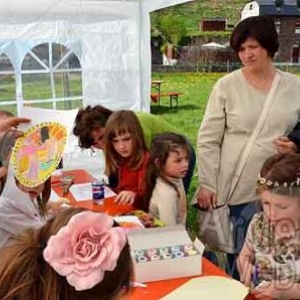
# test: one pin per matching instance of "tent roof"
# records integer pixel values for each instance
(109, 7)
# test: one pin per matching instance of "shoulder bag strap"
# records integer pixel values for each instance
(254, 134)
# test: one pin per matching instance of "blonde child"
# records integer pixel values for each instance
(47, 264)
(168, 164)
(270, 258)
(126, 156)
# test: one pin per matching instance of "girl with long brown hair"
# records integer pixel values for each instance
(126, 156)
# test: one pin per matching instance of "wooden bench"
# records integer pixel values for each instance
(174, 96)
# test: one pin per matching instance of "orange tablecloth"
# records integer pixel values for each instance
(154, 290)
(81, 176)
(158, 289)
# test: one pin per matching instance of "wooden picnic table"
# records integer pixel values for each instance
(156, 85)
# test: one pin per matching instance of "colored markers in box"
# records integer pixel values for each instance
(170, 252)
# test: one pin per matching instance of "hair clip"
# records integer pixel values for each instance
(102, 244)
(267, 183)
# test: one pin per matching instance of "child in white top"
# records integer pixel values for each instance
(21, 207)
(168, 164)
(270, 258)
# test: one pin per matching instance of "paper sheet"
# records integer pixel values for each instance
(53, 196)
(209, 287)
(83, 191)
(130, 222)
(38, 115)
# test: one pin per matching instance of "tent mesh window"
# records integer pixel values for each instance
(51, 77)
(7, 85)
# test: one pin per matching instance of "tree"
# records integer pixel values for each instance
(172, 28)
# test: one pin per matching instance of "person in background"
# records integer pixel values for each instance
(126, 156)
(47, 264)
(164, 192)
(90, 129)
(232, 112)
(270, 259)
(8, 136)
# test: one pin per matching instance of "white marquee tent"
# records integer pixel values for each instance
(106, 44)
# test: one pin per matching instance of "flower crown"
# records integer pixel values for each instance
(263, 182)
(85, 248)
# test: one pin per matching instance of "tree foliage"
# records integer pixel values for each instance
(174, 22)
(171, 27)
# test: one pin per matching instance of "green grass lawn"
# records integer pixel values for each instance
(196, 88)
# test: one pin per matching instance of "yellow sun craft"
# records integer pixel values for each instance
(38, 152)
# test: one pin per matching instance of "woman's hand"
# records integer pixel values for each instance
(285, 145)
(125, 197)
(206, 199)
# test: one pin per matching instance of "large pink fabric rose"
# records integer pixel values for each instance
(85, 248)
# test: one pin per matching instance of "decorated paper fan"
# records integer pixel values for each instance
(38, 152)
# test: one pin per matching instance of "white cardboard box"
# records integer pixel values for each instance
(164, 268)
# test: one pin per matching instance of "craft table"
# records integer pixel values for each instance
(159, 289)
(154, 290)
(81, 176)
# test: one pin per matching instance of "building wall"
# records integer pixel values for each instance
(289, 38)
(288, 28)
(212, 25)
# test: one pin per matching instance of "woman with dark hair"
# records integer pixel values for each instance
(226, 174)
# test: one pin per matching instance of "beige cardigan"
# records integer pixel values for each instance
(231, 114)
(166, 205)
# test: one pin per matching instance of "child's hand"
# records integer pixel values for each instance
(267, 291)
(246, 270)
(56, 207)
(3, 171)
(125, 197)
